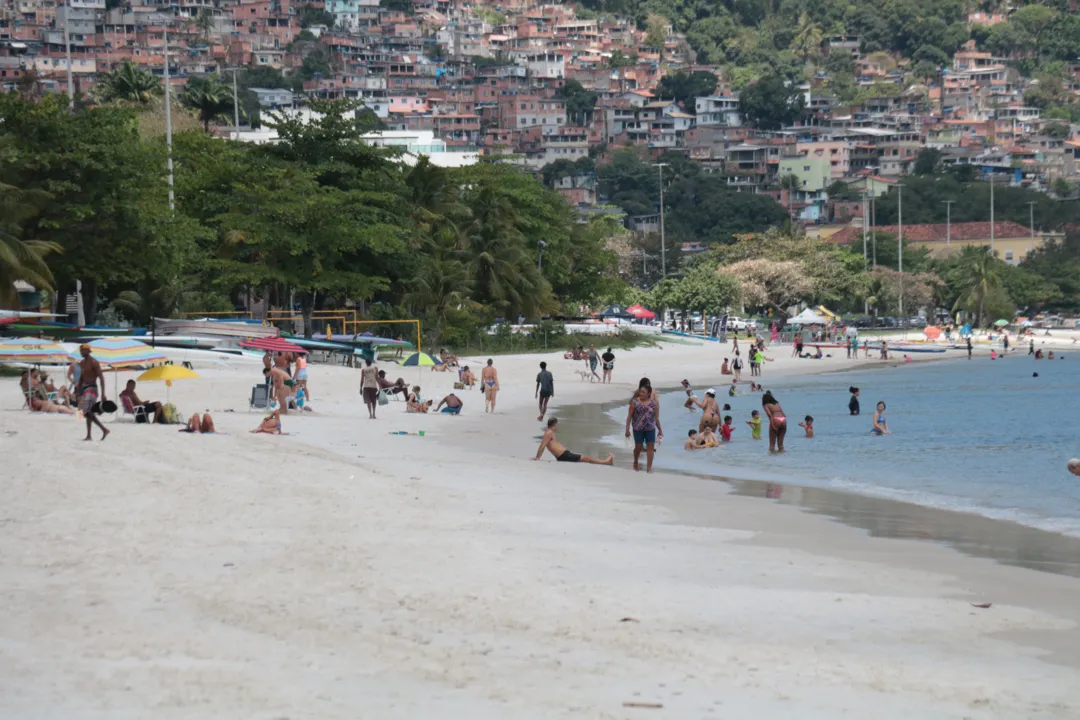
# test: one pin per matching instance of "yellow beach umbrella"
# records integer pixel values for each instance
(168, 373)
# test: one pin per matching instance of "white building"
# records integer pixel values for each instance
(718, 110)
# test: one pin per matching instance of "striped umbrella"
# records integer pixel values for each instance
(33, 350)
(272, 344)
(122, 352)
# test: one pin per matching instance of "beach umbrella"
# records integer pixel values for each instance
(421, 359)
(640, 312)
(123, 352)
(807, 317)
(1001, 322)
(168, 373)
(615, 311)
(272, 344)
(33, 351)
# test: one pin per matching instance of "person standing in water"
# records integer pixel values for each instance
(1074, 466)
(777, 422)
(853, 403)
(643, 418)
(880, 426)
(489, 376)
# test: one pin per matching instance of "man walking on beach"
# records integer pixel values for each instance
(545, 388)
(489, 376)
(560, 452)
(90, 377)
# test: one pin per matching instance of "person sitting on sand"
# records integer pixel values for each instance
(151, 410)
(724, 369)
(203, 424)
(449, 359)
(414, 404)
(271, 424)
(453, 405)
(62, 395)
(48, 406)
(561, 454)
(468, 377)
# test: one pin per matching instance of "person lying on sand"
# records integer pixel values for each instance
(47, 406)
(271, 424)
(560, 452)
(203, 424)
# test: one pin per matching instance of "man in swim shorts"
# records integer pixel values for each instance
(453, 405)
(90, 377)
(560, 452)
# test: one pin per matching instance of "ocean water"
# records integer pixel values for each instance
(976, 436)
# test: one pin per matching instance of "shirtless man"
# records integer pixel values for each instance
(90, 377)
(277, 378)
(149, 407)
(561, 454)
(453, 405)
(489, 376)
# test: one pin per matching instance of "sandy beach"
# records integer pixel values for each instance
(344, 572)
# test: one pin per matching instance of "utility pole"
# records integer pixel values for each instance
(865, 220)
(948, 221)
(992, 213)
(900, 241)
(236, 106)
(67, 53)
(1031, 223)
(873, 223)
(168, 117)
(663, 247)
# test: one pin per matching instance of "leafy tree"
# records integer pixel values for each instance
(703, 289)
(579, 101)
(791, 183)
(309, 15)
(775, 283)
(441, 282)
(656, 33)
(808, 38)
(1057, 130)
(927, 162)
(619, 59)
(1058, 262)
(21, 259)
(686, 87)
(976, 278)
(771, 103)
(205, 23)
(210, 97)
(316, 63)
(128, 83)
(405, 6)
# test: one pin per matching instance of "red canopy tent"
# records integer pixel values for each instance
(641, 313)
(272, 344)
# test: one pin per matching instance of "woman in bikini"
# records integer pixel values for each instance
(202, 424)
(777, 422)
(710, 412)
(880, 426)
(271, 425)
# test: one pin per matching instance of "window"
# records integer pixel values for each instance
(806, 168)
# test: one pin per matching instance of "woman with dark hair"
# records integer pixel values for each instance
(853, 403)
(880, 426)
(777, 421)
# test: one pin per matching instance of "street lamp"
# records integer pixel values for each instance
(540, 255)
(663, 246)
(948, 221)
(168, 113)
(900, 241)
(67, 53)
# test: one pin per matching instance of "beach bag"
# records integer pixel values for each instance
(383, 400)
(168, 411)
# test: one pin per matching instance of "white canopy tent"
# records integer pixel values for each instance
(808, 317)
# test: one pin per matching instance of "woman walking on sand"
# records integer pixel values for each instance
(489, 376)
(643, 417)
(369, 386)
(777, 422)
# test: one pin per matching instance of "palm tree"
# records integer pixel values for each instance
(808, 38)
(21, 260)
(141, 306)
(442, 280)
(977, 276)
(791, 183)
(210, 97)
(206, 23)
(128, 83)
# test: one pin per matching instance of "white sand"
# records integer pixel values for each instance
(346, 573)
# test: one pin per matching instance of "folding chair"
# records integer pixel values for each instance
(260, 398)
(135, 412)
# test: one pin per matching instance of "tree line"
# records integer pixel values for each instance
(314, 221)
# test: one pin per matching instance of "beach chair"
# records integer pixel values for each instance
(260, 398)
(129, 410)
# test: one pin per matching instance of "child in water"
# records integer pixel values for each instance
(755, 425)
(733, 390)
(808, 426)
(690, 399)
(725, 429)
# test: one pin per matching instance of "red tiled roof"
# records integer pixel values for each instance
(937, 233)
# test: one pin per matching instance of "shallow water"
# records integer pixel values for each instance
(977, 436)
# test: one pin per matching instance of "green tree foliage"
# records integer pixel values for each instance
(580, 102)
(1058, 262)
(685, 88)
(702, 289)
(128, 83)
(771, 103)
(976, 279)
(210, 97)
(309, 15)
(21, 259)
